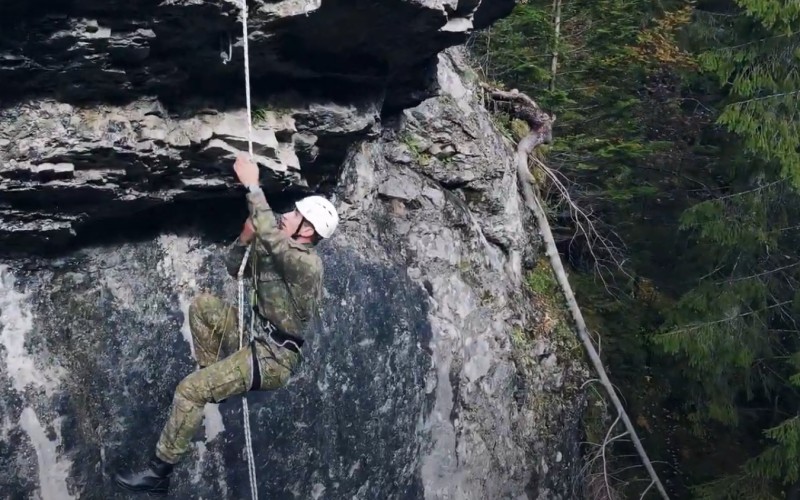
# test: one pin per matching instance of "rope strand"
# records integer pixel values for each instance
(251, 467)
(247, 79)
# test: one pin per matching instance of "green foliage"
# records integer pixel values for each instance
(416, 147)
(260, 115)
(678, 122)
(755, 55)
(600, 140)
(779, 461)
(766, 476)
(541, 281)
(731, 329)
(781, 16)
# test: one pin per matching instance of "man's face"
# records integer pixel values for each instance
(290, 221)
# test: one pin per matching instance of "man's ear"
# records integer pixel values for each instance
(306, 229)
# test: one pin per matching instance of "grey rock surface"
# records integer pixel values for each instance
(412, 386)
(116, 198)
(75, 165)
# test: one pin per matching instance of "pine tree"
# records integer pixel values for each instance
(615, 141)
(737, 330)
(754, 50)
(678, 123)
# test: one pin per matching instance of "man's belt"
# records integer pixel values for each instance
(282, 338)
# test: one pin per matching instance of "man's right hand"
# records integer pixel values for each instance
(248, 231)
(246, 170)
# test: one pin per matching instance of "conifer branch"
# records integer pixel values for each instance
(754, 42)
(762, 98)
(750, 191)
(698, 326)
(541, 132)
(758, 275)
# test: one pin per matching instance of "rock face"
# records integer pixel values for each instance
(412, 386)
(124, 102)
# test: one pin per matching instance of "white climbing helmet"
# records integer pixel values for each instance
(320, 213)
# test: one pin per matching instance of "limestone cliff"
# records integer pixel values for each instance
(117, 124)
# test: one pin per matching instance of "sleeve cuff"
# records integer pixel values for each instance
(257, 199)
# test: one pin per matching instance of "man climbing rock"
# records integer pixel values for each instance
(287, 279)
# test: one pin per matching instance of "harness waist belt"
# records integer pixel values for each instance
(268, 328)
(286, 340)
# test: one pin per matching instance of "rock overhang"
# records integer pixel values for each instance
(92, 50)
(112, 108)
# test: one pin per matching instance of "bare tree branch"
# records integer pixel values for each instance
(586, 226)
(606, 442)
(541, 125)
(647, 489)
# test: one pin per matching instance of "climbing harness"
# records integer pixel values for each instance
(251, 467)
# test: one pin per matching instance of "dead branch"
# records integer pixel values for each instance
(585, 224)
(523, 107)
(541, 125)
(606, 442)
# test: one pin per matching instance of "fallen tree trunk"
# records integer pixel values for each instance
(541, 125)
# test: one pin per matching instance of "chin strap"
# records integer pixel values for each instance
(299, 227)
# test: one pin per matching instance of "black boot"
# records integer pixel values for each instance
(154, 479)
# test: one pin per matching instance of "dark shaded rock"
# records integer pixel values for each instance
(489, 12)
(101, 50)
(112, 326)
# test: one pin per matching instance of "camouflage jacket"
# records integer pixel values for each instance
(286, 275)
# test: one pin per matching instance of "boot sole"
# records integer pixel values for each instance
(154, 493)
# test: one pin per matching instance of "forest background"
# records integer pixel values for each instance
(677, 137)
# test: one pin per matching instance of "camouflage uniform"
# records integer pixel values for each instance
(287, 279)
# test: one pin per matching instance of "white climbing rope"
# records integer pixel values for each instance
(247, 78)
(251, 466)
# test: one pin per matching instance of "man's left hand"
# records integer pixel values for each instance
(246, 170)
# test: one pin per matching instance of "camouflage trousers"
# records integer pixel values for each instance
(215, 335)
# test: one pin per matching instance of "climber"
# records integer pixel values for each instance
(286, 273)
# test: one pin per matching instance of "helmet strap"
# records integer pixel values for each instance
(299, 226)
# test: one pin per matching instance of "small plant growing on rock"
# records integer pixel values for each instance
(416, 147)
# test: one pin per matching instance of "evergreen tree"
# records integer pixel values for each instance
(619, 136)
(678, 123)
(736, 331)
